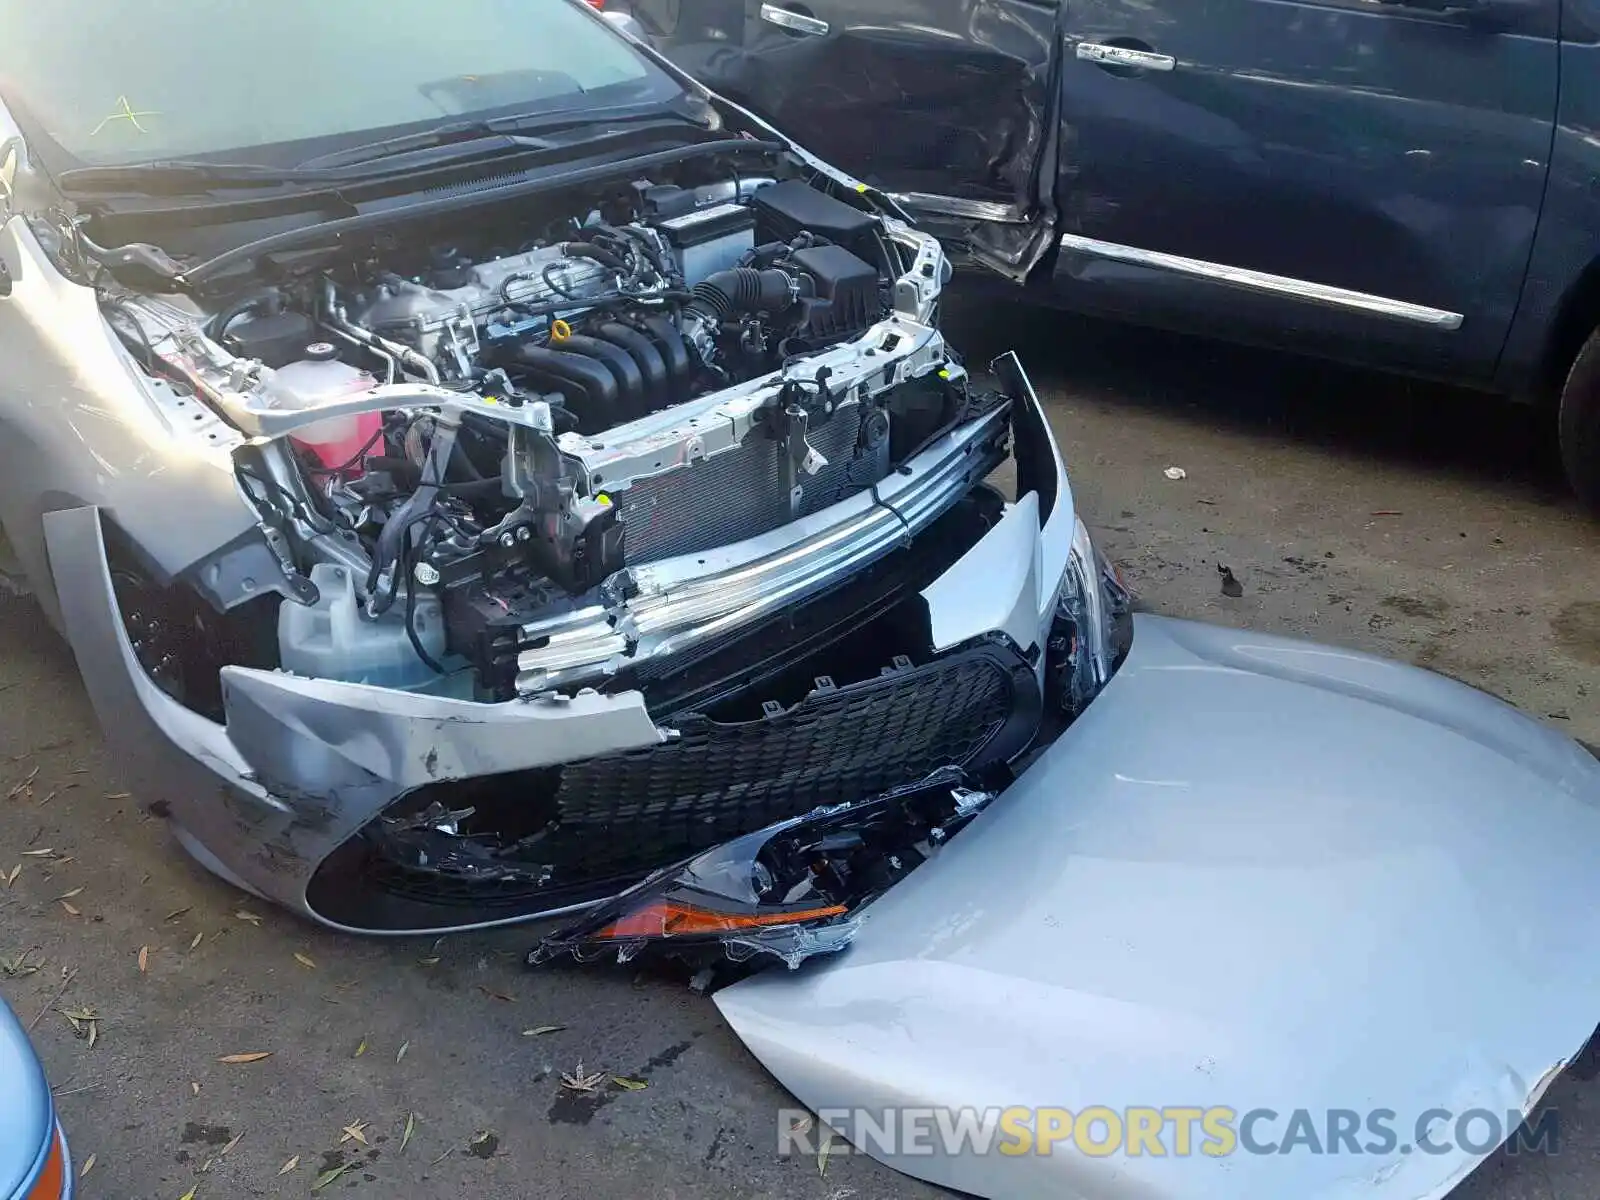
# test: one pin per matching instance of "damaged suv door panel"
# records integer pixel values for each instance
(949, 106)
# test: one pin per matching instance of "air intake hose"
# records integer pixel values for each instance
(724, 294)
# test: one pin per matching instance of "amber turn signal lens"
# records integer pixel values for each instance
(665, 918)
(52, 1181)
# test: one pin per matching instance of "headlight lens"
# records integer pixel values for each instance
(1093, 626)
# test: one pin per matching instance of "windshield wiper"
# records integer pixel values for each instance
(186, 177)
(180, 176)
(456, 141)
(510, 130)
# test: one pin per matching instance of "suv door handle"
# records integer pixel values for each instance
(793, 21)
(1104, 54)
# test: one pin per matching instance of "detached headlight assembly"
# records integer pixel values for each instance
(790, 891)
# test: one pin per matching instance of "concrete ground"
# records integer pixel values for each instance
(1406, 520)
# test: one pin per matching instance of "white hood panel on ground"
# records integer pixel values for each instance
(1256, 873)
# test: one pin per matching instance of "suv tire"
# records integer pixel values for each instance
(1580, 424)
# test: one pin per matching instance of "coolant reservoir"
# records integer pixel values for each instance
(320, 378)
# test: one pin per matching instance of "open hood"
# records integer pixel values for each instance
(1255, 874)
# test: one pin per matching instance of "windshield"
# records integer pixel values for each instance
(118, 81)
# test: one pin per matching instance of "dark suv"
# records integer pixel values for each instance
(1412, 185)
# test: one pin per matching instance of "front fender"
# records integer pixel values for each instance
(80, 427)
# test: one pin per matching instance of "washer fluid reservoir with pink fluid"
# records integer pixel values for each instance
(321, 378)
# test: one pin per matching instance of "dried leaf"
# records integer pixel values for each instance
(305, 961)
(494, 995)
(428, 962)
(234, 1142)
(94, 1033)
(251, 917)
(144, 959)
(329, 1176)
(177, 912)
(824, 1150)
(50, 795)
(195, 1087)
(77, 891)
(354, 1132)
(435, 1162)
(15, 871)
(252, 1056)
(630, 1085)
(118, 795)
(577, 1081)
(72, 910)
(197, 938)
(47, 852)
(541, 1030)
(361, 1049)
(290, 1165)
(24, 785)
(401, 1053)
(411, 1127)
(88, 1165)
(20, 965)
(189, 1195)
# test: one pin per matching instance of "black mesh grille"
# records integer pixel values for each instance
(615, 818)
(637, 810)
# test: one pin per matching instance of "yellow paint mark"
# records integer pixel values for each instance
(126, 112)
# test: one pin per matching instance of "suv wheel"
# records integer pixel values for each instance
(1580, 424)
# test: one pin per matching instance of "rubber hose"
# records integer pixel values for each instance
(250, 302)
(723, 294)
(585, 250)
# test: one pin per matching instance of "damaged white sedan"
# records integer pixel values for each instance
(478, 470)
(470, 488)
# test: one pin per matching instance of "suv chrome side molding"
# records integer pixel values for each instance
(795, 22)
(1125, 56)
(1260, 281)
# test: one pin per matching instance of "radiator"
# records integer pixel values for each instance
(742, 492)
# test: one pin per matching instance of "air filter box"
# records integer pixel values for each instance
(785, 209)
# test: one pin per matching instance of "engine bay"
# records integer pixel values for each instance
(456, 442)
